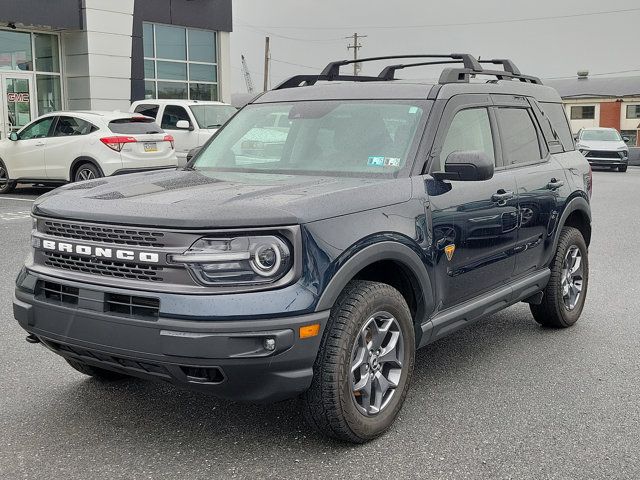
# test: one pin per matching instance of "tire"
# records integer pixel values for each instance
(6, 185)
(330, 405)
(86, 171)
(95, 372)
(556, 311)
(622, 168)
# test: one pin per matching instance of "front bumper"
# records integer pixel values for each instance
(225, 358)
(606, 162)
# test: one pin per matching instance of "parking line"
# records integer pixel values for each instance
(18, 199)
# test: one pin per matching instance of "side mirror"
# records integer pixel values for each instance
(183, 125)
(13, 136)
(575, 137)
(626, 139)
(467, 166)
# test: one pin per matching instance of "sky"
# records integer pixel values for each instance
(545, 38)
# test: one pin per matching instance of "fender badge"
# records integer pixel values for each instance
(449, 249)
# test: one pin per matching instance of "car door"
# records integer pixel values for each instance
(185, 138)
(65, 145)
(24, 157)
(474, 223)
(539, 178)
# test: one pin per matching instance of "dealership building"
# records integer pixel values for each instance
(104, 54)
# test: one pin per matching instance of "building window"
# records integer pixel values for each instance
(633, 111)
(180, 63)
(583, 112)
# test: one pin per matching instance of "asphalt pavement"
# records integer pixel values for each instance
(502, 399)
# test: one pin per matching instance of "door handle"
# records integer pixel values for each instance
(555, 184)
(40, 144)
(501, 196)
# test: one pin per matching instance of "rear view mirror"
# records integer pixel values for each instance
(467, 166)
(183, 125)
(13, 136)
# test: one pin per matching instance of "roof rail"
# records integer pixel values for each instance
(471, 67)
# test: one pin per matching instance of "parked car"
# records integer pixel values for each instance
(392, 214)
(191, 122)
(65, 147)
(603, 147)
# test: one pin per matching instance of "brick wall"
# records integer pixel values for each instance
(610, 114)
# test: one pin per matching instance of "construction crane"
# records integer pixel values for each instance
(247, 75)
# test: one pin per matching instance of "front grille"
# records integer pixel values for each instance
(59, 293)
(132, 306)
(104, 234)
(106, 268)
(604, 154)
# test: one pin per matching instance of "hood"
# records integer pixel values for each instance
(197, 199)
(611, 146)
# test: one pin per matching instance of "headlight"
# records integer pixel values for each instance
(251, 260)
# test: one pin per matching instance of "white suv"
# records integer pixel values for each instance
(191, 122)
(71, 146)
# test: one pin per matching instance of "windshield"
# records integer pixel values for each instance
(601, 135)
(355, 138)
(212, 116)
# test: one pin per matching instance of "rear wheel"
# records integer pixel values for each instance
(364, 366)
(86, 171)
(6, 185)
(622, 168)
(566, 291)
(95, 372)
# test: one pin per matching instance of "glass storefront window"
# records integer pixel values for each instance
(15, 51)
(170, 42)
(172, 90)
(46, 52)
(49, 96)
(180, 54)
(150, 90)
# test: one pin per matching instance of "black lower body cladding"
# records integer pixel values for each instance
(245, 360)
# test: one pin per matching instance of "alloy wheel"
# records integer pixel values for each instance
(376, 363)
(572, 277)
(4, 176)
(85, 174)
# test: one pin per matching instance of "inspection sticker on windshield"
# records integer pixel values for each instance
(383, 162)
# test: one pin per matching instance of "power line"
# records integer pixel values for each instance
(296, 64)
(594, 74)
(264, 31)
(457, 24)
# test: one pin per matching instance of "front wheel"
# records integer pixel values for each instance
(6, 184)
(364, 366)
(622, 168)
(564, 296)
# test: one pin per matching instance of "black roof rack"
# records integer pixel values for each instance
(470, 67)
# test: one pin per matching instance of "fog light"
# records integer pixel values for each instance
(269, 344)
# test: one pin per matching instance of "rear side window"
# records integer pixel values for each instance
(69, 126)
(147, 110)
(469, 130)
(172, 115)
(134, 126)
(519, 136)
(555, 112)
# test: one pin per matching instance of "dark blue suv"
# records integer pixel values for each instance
(329, 229)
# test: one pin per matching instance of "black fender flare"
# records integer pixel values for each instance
(80, 160)
(577, 203)
(385, 250)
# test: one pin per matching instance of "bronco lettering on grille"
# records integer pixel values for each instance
(100, 252)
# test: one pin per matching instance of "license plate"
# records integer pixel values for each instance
(150, 147)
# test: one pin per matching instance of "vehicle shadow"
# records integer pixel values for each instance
(169, 415)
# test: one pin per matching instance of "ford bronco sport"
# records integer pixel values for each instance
(314, 259)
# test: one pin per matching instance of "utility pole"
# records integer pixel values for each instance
(266, 63)
(355, 46)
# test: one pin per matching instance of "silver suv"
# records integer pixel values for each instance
(603, 147)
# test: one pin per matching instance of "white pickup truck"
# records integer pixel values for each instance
(190, 122)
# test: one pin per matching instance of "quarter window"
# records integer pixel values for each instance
(558, 118)
(68, 126)
(520, 143)
(583, 112)
(172, 115)
(469, 130)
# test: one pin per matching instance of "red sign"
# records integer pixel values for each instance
(18, 97)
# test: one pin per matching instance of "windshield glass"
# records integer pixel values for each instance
(212, 116)
(355, 138)
(601, 135)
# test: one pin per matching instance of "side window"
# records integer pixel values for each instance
(520, 143)
(38, 129)
(147, 110)
(68, 126)
(469, 130)
(172, 115)
(558, 117)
